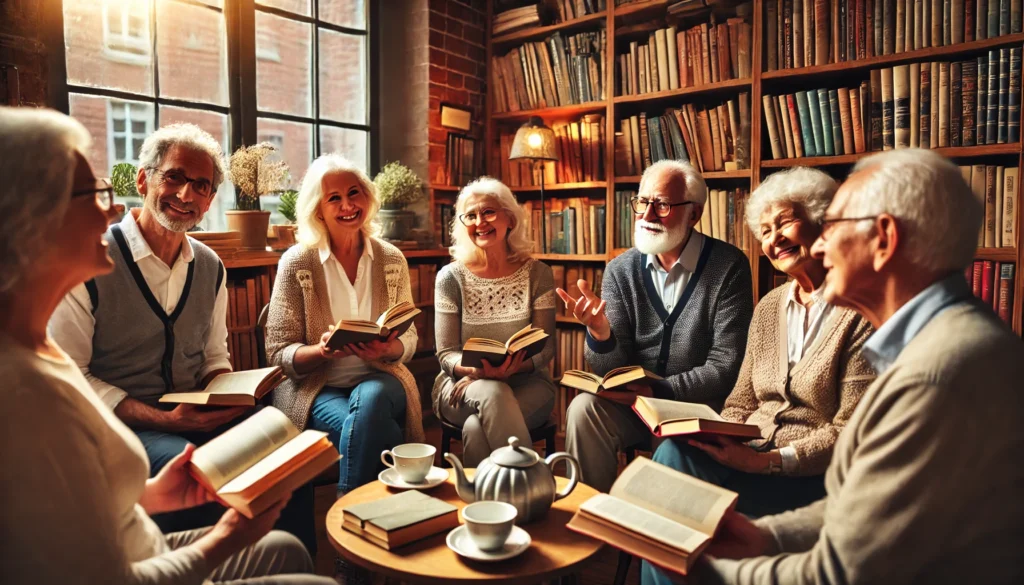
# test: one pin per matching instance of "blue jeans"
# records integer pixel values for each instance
(759, 495)
(296, 518)
(362, 421)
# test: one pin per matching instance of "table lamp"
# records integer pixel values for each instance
(536, 142)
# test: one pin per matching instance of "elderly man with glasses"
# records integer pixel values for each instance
(158, 323)
(679, 304)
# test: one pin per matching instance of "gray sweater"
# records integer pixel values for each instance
(699, 347)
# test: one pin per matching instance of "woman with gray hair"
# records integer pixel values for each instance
(802, 374)
(361, 395)
(82, 485)
(492, 289)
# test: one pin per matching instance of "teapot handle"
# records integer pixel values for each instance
(573, 467)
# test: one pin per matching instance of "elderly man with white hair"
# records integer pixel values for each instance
(924, 485)
(678, 304)
(158, 323)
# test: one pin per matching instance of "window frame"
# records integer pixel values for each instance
(121, 46)
(113, 135)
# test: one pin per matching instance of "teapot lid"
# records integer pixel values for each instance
(514, 455)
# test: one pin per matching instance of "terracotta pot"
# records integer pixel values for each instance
(252, 225)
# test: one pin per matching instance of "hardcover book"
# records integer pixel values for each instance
(400, 519)
(670, 418)
(396, 319)
(244, 388)
(477, 349)
(615, 378)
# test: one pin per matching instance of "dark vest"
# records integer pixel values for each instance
(136, 345)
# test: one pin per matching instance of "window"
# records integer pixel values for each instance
(303, 83)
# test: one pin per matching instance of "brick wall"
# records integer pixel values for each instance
(458, 68)
(21, 45)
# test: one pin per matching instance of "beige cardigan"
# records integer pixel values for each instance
(808, 407)
(300, 313)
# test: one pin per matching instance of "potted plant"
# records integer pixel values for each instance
(122, 178)
(398, 187)
(285, 234)
(253, 176)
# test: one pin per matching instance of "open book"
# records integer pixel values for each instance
(399, 519)
(618, 377)
(668, 418)
(656, 513)
(477, 349)
(256, 463)
(397, 318)
(244, 388)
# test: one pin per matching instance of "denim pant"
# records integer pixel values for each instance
(362, 421)
(296, 518)
(759, 495)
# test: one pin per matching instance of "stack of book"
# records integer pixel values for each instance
(581, 153)
(226, 244)
(713, 138)
(400, 519)
(575, 225)
(992, 282)
(998, 187)
(462, 160)
(555, 72)
(572, 9)
(515, 19)
(673, 59)
(801, 33)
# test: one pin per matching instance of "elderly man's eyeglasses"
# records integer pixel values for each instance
(176, 180)
(474, 217)
(102, 190)
(661, 208)
(829, 223)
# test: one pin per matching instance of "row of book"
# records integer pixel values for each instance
(674, 59)
(566, 277)
(246, 298)
(993, 283)
(581, 156)
(802, 33)
(421, 281)
(715, 138)
(554, 72)
(814, 123)
(568, 351)
(573, 9)
(999, 188)
(515, 19)
(575, 225)
(724, 217)
(462, 160)
(622, 229)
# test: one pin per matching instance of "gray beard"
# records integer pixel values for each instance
(658, 243)
(152, 204)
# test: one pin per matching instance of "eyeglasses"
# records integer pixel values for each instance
(661, 208)
(176, 179)
(829, 223)
(103, 191)
(474, 217)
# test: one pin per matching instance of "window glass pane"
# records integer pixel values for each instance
(296, 6)
(343, 77)
(294, 142)
(192, 52)
(348, 13)
(117, 127)
(283, 63)
(353, 144)
(108, 44)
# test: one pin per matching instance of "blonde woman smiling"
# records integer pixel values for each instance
(492, 289)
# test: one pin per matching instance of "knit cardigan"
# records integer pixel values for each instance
(300, 313)
(807, 407)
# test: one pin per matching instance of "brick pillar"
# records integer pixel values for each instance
(21, 45)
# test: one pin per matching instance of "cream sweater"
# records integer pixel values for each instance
(807, 407)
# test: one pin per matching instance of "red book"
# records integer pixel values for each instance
(996, 289)
(976, 279)
(986, 282)
(1005, 309)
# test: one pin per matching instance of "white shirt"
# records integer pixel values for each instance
(803, 324)
(671, 283)
(348, 300)
(72, 324)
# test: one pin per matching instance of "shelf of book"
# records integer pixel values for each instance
(845, 159)
(917, 55)
(996, 254)
(640, 9)
(654, 98)
(435, 253)
(738, 174)
(561, 187)
(542, 32)
(555, 113)
(572, 257)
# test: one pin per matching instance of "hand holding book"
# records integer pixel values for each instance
(736, 455)
(374, 350)
(588, 309)
(512, 365)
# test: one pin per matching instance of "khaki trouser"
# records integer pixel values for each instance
(277, 559)
(596, 430)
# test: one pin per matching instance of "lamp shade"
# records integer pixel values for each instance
(534, 141)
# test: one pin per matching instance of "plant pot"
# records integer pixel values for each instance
(396, 224)
(283, 237)
(252, 225)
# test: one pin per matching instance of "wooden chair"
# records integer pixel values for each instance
(450, 431)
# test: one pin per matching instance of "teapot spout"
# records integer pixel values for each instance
(463, 486)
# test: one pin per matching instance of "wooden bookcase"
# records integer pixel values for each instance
(624, 18)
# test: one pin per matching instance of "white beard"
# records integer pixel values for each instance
(659, 242)
(151, 203)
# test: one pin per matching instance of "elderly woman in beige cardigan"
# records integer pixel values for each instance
(362, 395)
(802, 374)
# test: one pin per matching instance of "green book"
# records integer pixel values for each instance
(804, 111)
(837, 122)
(397, 511)
(814, 105)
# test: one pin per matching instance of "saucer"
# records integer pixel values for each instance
(435, 477)
(459, 541)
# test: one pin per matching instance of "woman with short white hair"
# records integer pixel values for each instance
(492, 289)
(361, 395)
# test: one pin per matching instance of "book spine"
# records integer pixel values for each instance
(915, 104)
(876, 109)
(986, 282)
(771, 46)
(794, 124)
(1013, 100)
(957, 21)
(955, 104)
(1005, 309)
(1004, 17)
(856, 121)
(798, 33)
(969, 7)
(1004, 94)
(825, 112)
(981, 103)
(947, 17)
(990, 206)
(980, 20)
(901, 20)
(851, 30)
(818, 133)
(837, 123)
(787, 33)
(888, 110)
(878, 26)
(839, 43)
(821, 32)
(1010, 185)
(936, 14)
(976, 278)
(806, 125)
(992, 116)
(869, 27)
(645, 141)
(773, 127)
(969, 85)
(889, 27)
(934, 143)
(943, 104)
(901, 106)
(846, 121)
(993, 19)
(785, 127)
(924, 125)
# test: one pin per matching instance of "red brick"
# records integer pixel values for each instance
(438, 57)
(436, 153)
(434, 118)
(456, 46)
(438, 75)
(437, 39)
(473, 34)
(437, 134)
(438, 6)
(461, 64)
(477, 54)
(474, 84)
(436, 91)
(437, 21)
(454, 27)
(457, 81)
(459, 11)
(434, 104)
(457, 96)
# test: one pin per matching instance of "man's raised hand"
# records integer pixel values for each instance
(588, 309)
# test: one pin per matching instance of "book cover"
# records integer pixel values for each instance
(901, 105)
(888, 110)
(817, 131)
(1004, 94)
(955, 103)
(806, 125)
(969, 90)
(790, 120)
(876, 112)
(1013, 99)
(1010, 189)
(981, 103)
(1006, 277)
(992, 115)
(837, 123)
(915, 104)
(943, 104)
(856, 121)
(668, 418)
(825, 113)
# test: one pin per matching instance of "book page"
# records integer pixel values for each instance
(243, 445)
(675, 495)
(275, 460)
(238, 382)
(663, 410)
(645, 522)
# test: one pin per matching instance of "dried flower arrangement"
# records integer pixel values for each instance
(398, 186)
(253, 175)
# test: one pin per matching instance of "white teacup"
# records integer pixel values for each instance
(489, 523)
(412, 461)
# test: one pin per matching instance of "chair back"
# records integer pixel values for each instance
(261, 337)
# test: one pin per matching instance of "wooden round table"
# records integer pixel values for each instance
(555, 551)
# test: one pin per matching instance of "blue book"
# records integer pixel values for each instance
(825, 112)
(804, 111)
(815, 108)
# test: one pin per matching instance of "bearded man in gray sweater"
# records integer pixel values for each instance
(925, 480)
(679, 304)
